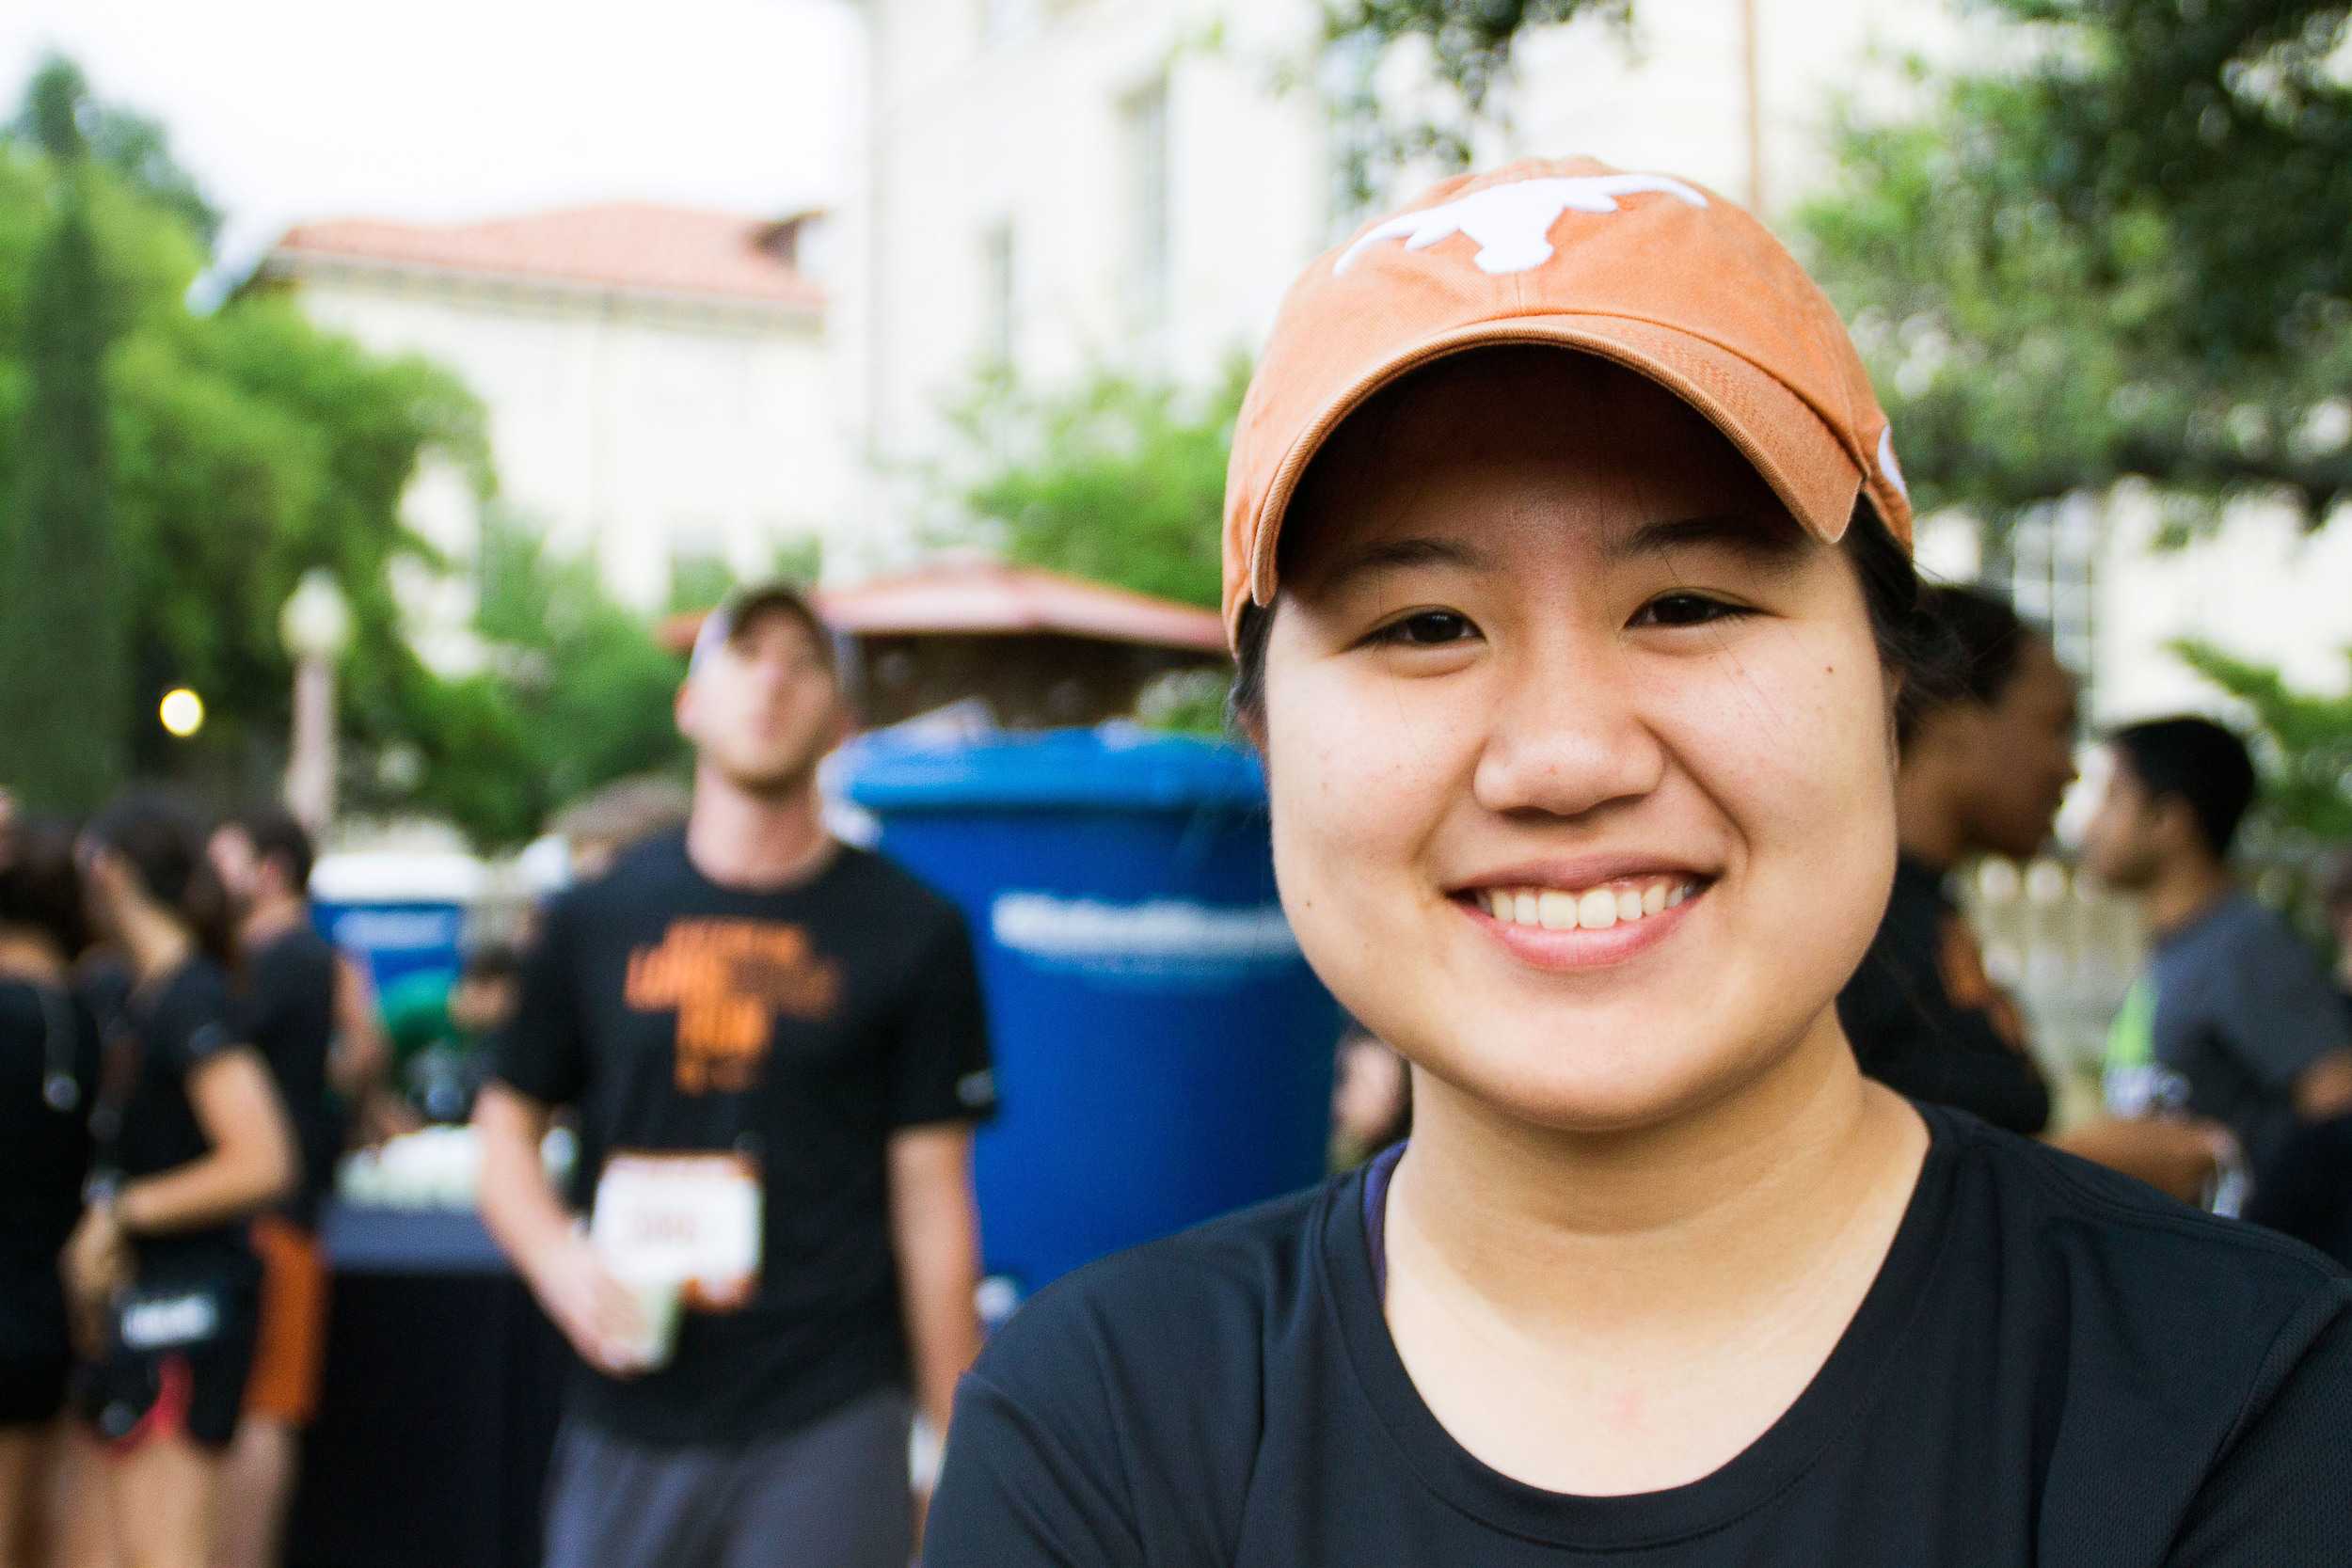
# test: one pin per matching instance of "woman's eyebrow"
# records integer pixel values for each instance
(1389, 555)
(1766, 542)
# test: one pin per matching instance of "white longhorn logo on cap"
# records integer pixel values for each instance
(1512, 223)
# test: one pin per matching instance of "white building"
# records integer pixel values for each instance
(656, 379)
(1060, 184)
(1056, 185)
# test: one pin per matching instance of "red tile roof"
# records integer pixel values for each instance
(628, 246)
(987, 598)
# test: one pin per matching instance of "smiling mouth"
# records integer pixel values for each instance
(1622, 901)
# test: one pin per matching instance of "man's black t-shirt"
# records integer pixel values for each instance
(797, 1027)
(286, 1010)
(1925, 1019)
(176, 1026)
(2054, 1366)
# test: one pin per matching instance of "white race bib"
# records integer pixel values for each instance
(685, 1220)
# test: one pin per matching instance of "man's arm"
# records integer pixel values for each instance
(521, 1208)
(2323, 1090)
(936, 1233)
(2176, 1155)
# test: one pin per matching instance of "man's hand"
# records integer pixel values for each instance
(596, 1312)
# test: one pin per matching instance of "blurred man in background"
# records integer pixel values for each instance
(777, 1049)
(286, 993)
(1984, 769)
(2233, 1019)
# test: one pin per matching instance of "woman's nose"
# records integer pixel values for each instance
(1565, 737)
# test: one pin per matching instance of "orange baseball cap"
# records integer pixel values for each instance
(1659, 274)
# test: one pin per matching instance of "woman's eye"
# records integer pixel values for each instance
(1684, 609)
(1431, 628)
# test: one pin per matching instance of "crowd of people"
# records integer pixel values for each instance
(1705, 1200)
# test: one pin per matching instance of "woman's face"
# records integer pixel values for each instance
(1579, 747)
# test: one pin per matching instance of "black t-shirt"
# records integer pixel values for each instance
(1926, 1021)
(176, 1026)
(286, 1010)
(2055, 1365)
(798, 1027)
(48, 1081)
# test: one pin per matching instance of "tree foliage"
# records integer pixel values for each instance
(575, 694)
(64, 677)
(1468, 46)
(2307, 789)
(1116, 479)
(242, 447)
(2125, 261)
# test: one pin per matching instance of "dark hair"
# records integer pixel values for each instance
(1983, 638)
(492, 961)
(1988, 636)
(41, 886)
(1913, 645)
(2198, 762)
(165, 848)
(275, 835)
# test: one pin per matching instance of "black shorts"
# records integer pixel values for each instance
(35, 1352)
(178, 1358)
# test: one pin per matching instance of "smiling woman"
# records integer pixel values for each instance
(1568, 576)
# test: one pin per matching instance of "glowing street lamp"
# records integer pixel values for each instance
(315, 627)
(181, 712)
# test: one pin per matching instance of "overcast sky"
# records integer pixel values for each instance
(293, 110)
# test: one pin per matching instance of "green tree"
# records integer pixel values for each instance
(1469, 48)
(244, 445)
(64, 650)
(578, 694)
(1118, 480)
(2307, 793)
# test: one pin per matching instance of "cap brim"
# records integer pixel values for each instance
(1774, 429)
(736, 609)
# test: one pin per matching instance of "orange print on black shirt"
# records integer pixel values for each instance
(728, 979)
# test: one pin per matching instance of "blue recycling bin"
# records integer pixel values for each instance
(1163, 1052)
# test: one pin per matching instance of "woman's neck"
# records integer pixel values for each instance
(738, 838)
(1691, 1220)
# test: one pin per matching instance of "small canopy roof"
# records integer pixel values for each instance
(989, 598)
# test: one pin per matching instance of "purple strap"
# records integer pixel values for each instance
(1376, 1177)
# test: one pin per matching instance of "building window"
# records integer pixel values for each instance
(1001, 303)
(2049, 564)
(1144, 133)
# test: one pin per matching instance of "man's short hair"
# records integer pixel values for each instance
(1987, 637)
(275, 835)
(2198, 762)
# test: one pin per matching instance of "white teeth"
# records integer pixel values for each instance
(1596, 910)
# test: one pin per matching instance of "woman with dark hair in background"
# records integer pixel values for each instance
(48, 1074)
(192, 1142)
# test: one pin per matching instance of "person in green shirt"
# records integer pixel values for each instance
(438, 1021)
